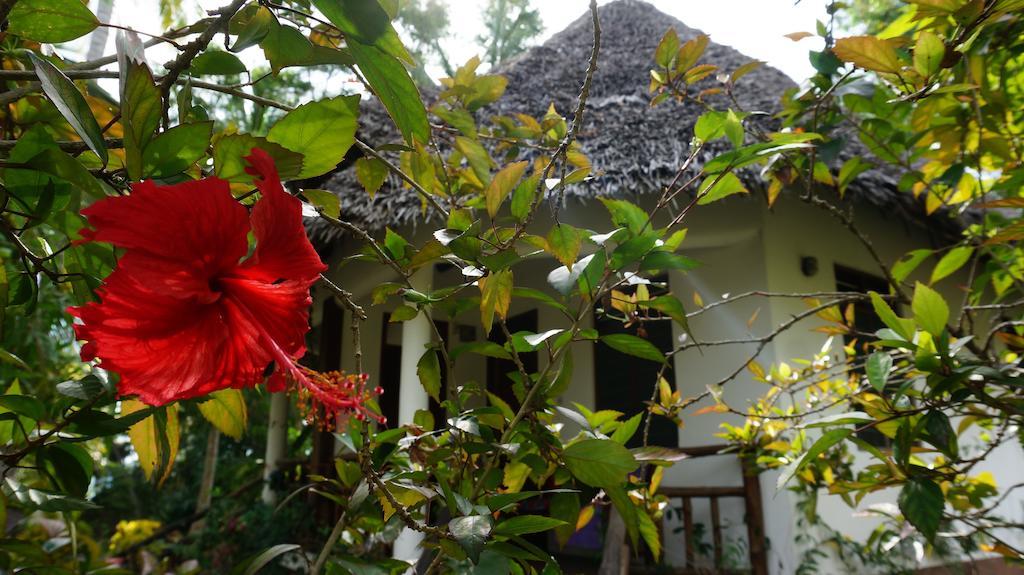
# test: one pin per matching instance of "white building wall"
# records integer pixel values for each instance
(742, 246)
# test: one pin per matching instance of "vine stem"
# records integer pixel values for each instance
(325, 551)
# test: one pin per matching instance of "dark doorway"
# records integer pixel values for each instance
(390, 369)
(624, 383)
(865, 323)
(502, 375)
(391, 372)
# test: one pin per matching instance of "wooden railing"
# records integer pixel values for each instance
(749, 492)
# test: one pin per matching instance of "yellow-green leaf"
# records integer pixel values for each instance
(564, 243)
(324, 201)
(502, 185)
(868, 52)
(428, 369)
(495, 297)
(322, 131)
(928, 53)
(371, 173)
(930, 309)
(715, 188)
(952, 261)
(226, 410)
(155, 439)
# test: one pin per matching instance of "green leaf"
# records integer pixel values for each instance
(869, 52)
(672, 307)
(502, 184)
(253, 564)
(254, 26)
(717, 187)
(902, 326)
(836, 419)
(141, 104)
(649, 532)
(69, 465)
(564, 243)
(908, 263)
(632, 250)
(878, 367)
(428, 369)
(471, 532)
(627, 509)
(226, 410)
(627, 429)
(599, 462)
(391, 82)
(951, 262)
(49, 501)
(402, 313)
(229, 153)
(322, 131)
(823, 444)
(85, 388)
(365, 22)
(753, 153)
(714, 124)
(566, 507)
(930, 309)
(59, 164)
(175, 150)
(284, 46)
(668, 47)
(495, 297)
(626, 214)
(25, 405)
(851, 168)
(97, 423)
(662, 260)
(324, 201)
(51, 21)
(921, 501)
(525, 524)
(633, 345)
(940, 433)
(522, 198)
(371, 173)
(216, 63)
(477, 157)
(70, 103)
(928, 53)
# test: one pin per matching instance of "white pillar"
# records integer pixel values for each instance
(416, 335)
(277, 442)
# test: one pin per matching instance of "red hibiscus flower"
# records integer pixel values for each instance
(187, 311)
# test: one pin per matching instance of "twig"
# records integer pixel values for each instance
(193, 48)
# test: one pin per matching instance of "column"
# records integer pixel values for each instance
(277, 442)
(417, 333)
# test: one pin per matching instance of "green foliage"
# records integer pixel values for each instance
(936, 100)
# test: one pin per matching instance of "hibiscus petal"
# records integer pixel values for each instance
(281, 310)
(282, 249)
(165, 348)
(197, 224)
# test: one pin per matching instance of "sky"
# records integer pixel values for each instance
(754, 27)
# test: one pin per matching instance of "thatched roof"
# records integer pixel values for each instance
(636, 148)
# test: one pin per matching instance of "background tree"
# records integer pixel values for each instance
(510, 26)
